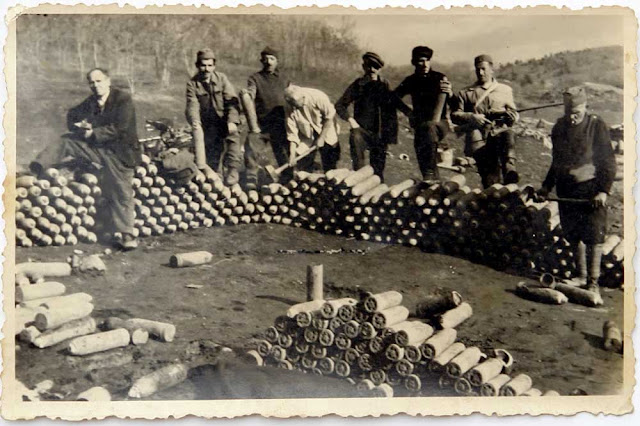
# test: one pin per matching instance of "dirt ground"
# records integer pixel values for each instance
(249, 283)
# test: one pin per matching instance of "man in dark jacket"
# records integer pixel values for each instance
(264, 105)
(374, 122)
(103, 131)
(583, 167)
(429, 90)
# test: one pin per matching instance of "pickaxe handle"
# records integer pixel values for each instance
(569, 200)
(284, 167)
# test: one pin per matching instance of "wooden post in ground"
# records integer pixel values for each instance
(315, 282)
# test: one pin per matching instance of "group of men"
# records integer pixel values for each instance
(298, 121)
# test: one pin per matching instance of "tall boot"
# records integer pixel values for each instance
(581, 263)
(509, 158)
(594, 258)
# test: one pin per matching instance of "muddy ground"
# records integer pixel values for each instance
(249, 283)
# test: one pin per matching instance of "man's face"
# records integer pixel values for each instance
(422, 65)
(99, 83)
(206, 67)
(484, 72)
(269, 62)
(575, 113)
(370, 69)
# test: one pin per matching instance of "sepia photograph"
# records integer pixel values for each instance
(367, 209)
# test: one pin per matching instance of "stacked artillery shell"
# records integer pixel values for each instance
(56, 211)
(495, 226)
(164, 206)
(372, 343)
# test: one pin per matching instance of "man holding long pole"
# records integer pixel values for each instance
(583, 168)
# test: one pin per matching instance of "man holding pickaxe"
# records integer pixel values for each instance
(486, 111)
(583, 170)
(311, 126)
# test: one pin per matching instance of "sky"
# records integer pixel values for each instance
(462, 37)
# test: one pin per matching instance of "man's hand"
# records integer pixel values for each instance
(320, 142)
(446, 87)
(353, 123)
(480, 120)
(541, 195)
(88, 133)
(233, 128)
(511, 118)
(600, 200)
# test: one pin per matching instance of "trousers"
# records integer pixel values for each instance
(276, 136)
(427, 136)
(217, 141)
(496, 158)
(115, 178)
(362, 140)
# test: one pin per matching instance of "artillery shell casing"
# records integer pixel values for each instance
(71, 329)
(365, 385)
(517, 386)
(542, 295)
(39, 291)
(99, 342)
(304, 307)
(462, 386)
(456, 316)
(161, 330)
(533, 392)
(195, 258)
(164, 378)
(45, 269)
(464, 361)
(437, 343)
(438, 303)
(612, 337)
(389, 317)
(409, 332)
(493, 386)
(394, 352)
(413, 383)
(29, 334)
(551, 393)
(382, 301)
(59, 301)
(447, 355)
(330, 308)
(56, 317)
(579, 295)
(255, 357)
(96, 393)
(482, 373)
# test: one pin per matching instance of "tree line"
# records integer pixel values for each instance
(161, 49)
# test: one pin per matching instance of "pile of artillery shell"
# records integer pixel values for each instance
(495, 226)
(56, 211)
(372, 343)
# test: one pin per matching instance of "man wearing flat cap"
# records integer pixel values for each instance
(373, 121)
(486, 111)
(583, 167)
(429, 90)
(264, 105)
(213, 113)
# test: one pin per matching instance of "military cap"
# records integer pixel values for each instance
(421, 52)
(483, 58)
(269, 51)
(373, 58)
(575, 96)
(204, 54)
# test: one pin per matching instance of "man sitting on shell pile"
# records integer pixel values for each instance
(103, 131)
